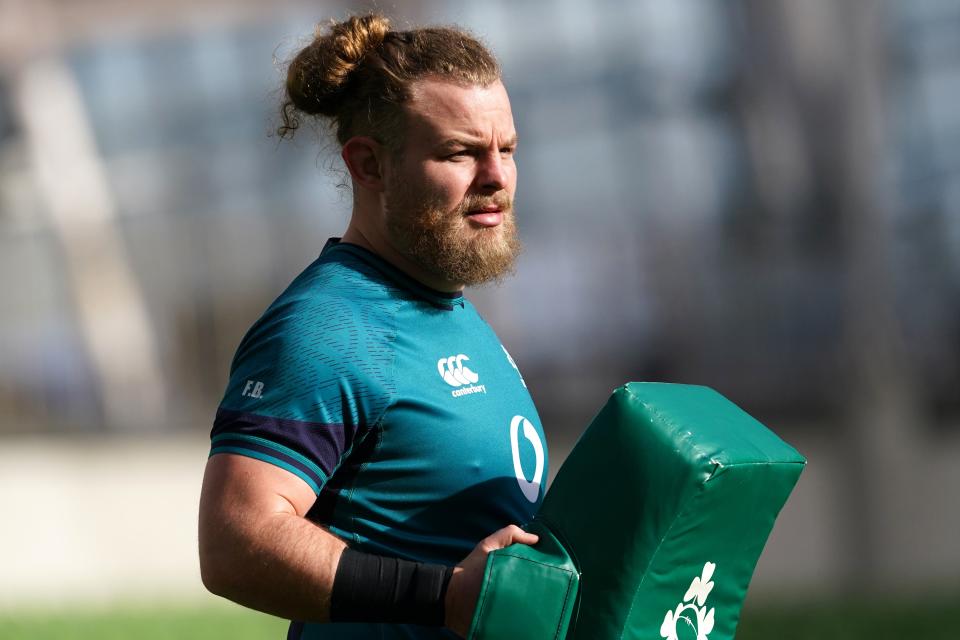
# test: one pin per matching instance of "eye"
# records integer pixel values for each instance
(508, 151)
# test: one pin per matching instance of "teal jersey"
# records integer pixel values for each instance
(397, 405)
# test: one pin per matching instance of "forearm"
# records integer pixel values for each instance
(266, 556)
(258, 549)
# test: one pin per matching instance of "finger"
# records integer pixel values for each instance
(526, 538)
(509, 535)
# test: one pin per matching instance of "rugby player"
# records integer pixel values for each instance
(376, 441)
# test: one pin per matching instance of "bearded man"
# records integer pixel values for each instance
(376, 441)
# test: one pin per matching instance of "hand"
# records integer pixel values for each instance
(464, 588)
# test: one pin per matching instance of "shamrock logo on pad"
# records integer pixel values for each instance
(691, 620)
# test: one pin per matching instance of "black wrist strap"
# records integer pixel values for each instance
(372, 588)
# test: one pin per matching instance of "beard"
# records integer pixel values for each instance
(445, 244)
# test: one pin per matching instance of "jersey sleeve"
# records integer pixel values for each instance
(308, 382)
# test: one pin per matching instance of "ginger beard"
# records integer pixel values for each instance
(446, 243)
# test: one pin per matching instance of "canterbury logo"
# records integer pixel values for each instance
(454, 373)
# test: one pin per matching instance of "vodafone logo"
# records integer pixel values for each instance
(530, 488)
(456, 374)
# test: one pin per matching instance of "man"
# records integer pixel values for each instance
(374, 432)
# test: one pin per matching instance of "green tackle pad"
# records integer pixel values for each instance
(651, 529)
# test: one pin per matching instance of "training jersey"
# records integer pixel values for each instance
(397, 405)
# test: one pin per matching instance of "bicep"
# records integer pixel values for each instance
(238, 490)
(256, 548)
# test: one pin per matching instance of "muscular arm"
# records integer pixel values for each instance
(258, 549)
(256, 546)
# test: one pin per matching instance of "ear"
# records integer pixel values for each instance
(364, 158)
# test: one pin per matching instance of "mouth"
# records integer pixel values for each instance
(488, 216)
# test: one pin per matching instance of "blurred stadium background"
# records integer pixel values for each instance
(762, 196)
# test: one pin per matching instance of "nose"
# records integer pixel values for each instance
(492, 173)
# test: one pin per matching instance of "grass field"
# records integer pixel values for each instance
(141, 623)
(883, 620)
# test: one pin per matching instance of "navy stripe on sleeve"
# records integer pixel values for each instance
(314, 448)
(269, 452)
(295, 630)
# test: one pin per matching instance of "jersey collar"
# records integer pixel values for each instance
(441, 299)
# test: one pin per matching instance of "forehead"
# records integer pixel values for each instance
(439, 109)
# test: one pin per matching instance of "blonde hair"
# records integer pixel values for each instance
(358, 74)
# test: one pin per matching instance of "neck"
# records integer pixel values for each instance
(380, 245)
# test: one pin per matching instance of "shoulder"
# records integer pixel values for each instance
(326, 339)
(331, 308)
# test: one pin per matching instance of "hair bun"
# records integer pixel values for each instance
(317, 75)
